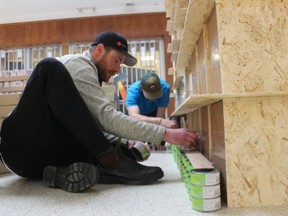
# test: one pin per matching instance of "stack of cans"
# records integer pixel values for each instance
(203, 186)
(204, 190)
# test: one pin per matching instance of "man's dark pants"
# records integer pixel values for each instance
(51, 125)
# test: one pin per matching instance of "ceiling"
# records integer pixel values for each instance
(14, 11)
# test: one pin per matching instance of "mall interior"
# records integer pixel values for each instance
(226, 65)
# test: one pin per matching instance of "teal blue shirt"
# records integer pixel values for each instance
(136, 97)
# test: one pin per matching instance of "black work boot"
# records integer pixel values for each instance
(115, 167)
(128, 153)
(74, 178)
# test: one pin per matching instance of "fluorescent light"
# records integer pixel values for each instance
(129, 6)
(86, 10)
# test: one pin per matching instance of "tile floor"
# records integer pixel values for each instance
(20, 196)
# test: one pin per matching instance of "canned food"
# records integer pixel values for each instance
(205, 192)
(205, 178)
(139, 151)
(206, 204)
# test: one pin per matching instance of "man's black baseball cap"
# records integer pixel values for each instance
(117, 42)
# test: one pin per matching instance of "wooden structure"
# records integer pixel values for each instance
(230, 74)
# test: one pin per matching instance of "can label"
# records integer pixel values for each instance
(205, 178)
(140, 152)
(205, 192)
(206, 204)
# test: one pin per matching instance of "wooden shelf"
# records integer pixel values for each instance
(233, 95)
(169, 9)
(177, 82)
(194, 102)
(180, 15)
(9, 99)
(13, 78)
(197, 13)
(175, 45)
(12, 89)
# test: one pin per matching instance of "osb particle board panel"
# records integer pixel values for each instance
(169, 25)
(205, 132)
(175, 45)
(202, 65)
(174, 56)
(215, 78)
(196, 120)
(253, 57)
(177, 82)
(171, 71)
(218, 144)
(197, 13)
(194, 102)
(180, 18)
(199, 161)
(256, 139)
(168, 8)
(217, 130)
(182, 3)
(194, 71)
(169, 48)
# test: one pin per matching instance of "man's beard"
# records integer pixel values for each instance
(101, 70)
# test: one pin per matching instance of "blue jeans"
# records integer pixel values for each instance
(51, 125)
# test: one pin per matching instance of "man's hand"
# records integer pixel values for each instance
(181, 136)
(131, 143)
(169, 123)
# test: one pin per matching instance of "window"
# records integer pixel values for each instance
(12, 59)
(39, 53)
(149, 53)
(26, 58)
(17, 64)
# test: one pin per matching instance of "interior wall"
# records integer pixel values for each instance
(65, 31)
(81, 29)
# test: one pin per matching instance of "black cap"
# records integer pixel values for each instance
(117, 42)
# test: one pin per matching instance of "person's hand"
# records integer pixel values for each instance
(131, 144)
(181, 136)
(145, 145)
(169, 123)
